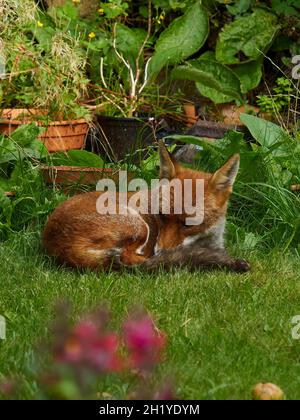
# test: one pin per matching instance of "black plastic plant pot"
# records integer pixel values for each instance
(127, 137)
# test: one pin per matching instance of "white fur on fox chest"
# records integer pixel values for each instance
(215, 234)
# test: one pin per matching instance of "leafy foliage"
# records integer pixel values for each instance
(20, 155)
(250, 74)
(45, 67)
(286, 7)
(114, 8)
(184, 37)
(22, 144)
(127, 75)
(213, 79)
(246, 37)
(121, 48)
(79, 158)
(280, 100)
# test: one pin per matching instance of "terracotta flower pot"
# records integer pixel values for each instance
(60, 136)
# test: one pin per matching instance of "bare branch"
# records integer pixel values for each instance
(102, 73)
(145, 77)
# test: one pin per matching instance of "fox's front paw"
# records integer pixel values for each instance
(241, 266)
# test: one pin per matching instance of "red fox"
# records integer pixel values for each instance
(78, 236)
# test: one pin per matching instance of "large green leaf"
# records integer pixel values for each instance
(213, 79)
(128, 43)
(250, 75)
(183, 38)
(286, 7)
(268, 134)
(129, 40)
(215, 95)
(240, 6)
(247, 37)
(79, 158)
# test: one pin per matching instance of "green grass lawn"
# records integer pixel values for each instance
(225, 332)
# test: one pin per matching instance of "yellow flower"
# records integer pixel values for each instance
(40, 24)
(160, 18)
(92, 35)
(76, 1)
(101, 11)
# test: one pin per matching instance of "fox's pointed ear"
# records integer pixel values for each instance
(167, 163)
(225, 177)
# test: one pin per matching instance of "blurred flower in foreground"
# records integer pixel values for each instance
(89, 346)
(84, 353)
(7, 387)
(145, 343)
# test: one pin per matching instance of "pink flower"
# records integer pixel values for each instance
(7, 387)
(145, 343)
(102, 353)
(85, 330)
(88, 346)
(72, 351)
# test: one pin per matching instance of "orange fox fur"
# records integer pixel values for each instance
(78, 236)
